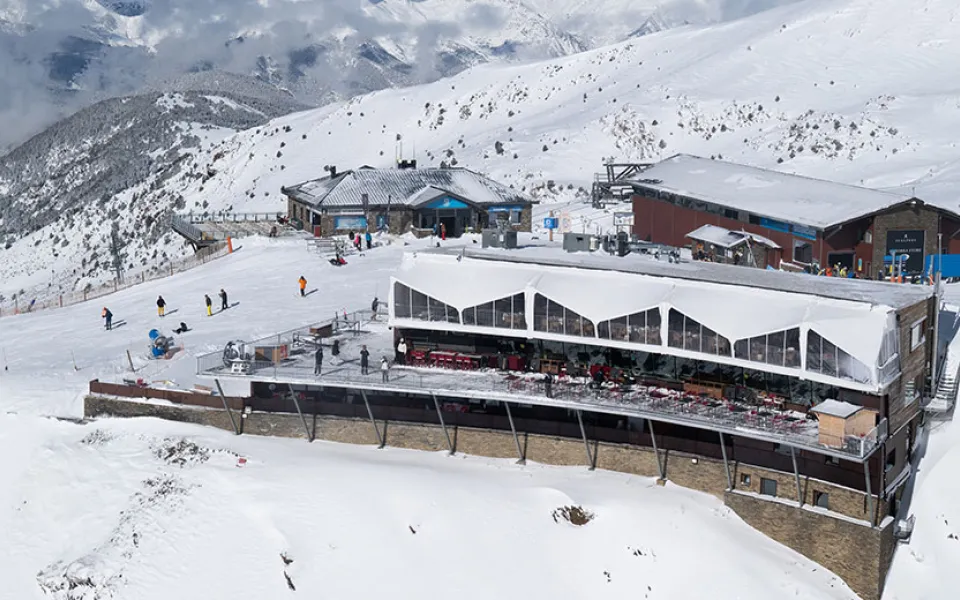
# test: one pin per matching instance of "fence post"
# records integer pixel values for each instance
(61, 300)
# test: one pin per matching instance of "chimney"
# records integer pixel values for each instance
(333, 171)
(407, 164)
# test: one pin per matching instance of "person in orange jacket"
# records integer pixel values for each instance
(303, 285)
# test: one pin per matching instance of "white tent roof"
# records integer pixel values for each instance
(734, 311)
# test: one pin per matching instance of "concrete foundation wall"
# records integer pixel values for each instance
(856, 552)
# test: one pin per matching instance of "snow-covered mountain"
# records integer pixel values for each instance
(803, 88)
(65, 54)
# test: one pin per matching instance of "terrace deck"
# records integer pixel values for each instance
(759, 422)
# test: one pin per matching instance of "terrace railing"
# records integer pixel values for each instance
(296, 367)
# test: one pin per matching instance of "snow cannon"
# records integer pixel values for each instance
(160, 344)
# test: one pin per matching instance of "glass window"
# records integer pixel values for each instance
(690, 335)
(768, 487)
(558, 319)
(519, 314)
(502, 312)
(791, 356)
(438, 310)
(401, 301)
(675, 329)
(470, 316)
(603, 330)
(825, 357)
(653, 326)
(821, 499)
(485, 315)
(418, 306)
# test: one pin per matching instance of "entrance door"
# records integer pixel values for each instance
(844, 259)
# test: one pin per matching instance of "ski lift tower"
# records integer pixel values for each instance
(613, 184)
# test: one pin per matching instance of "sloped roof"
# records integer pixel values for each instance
(725, 238)
(792, 198)
(403, 187)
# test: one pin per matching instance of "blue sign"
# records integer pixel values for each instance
(774, 225)
(551, 223)
(494, 209)
(805, 232)
(447, 202)
(351, 222)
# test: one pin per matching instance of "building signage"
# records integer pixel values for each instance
(623, 219)
(774, 225)
(447, 202)
(804, 232)
(551, 223)
(907, 242)
(566, 222)
(351, 222)
(495, 209)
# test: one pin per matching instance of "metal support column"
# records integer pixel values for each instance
(866, 472)
(656, 451)
(443, 425)
(296, 403)
(516, 438)
(226, 407)
(726, 463)
(586, 444)
(376, 428)
(796, 475)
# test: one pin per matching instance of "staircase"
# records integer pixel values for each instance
(943, 400)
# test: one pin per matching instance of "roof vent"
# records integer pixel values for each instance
(407, 164)
(332, 169)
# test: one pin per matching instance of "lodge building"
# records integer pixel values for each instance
(802, 221)
(405, 199)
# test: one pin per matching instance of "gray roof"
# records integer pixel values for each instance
(410, 187)
(836, 408)
(725, 238)
(792, 198)
(894, 295)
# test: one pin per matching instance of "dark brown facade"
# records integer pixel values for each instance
(860, 245)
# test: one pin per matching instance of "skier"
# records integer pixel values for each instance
(161, 303)
(182, 329)
(318, 361)
(303, 285)
(385, 369)
(443, 231)
(209, 303)
(335, 350)
(364, 361)
(358, 243)
(435, 231)
(223, 299)
(402, 352)
(373, 308)
(108, 318)
(369, 240)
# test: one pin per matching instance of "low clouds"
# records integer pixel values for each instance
(48, 73)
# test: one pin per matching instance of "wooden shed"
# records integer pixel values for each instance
(841, 420)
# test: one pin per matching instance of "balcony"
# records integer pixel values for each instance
(288, 358)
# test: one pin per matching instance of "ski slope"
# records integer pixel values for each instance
(123, 509)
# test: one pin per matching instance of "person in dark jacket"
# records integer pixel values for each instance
(318, 361)
(364, 361)
(108, 318)
(209, 303)
(223, 299)
(161, 303)
(373, 308)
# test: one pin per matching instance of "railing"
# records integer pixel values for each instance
(185, 228)
(43, 299)
(640, 401)
(230, 217)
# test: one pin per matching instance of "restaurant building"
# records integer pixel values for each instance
(796, 400)
(405, 199)
(811, 221)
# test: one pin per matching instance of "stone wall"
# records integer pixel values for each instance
(856, 552)
(859, 555)
(526, 220)
(904, 218)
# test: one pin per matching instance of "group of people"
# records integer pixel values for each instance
(364, 361)
(357, 240)
(440, 230)
(107, 315)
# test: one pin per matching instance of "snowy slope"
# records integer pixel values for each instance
(798, 88)
(128, 509)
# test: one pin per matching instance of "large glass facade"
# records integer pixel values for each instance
(687, 334)
(551, 317)
(411, 304)
(825, 357)
(639, 328)
(506, 313)
(781, 348)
